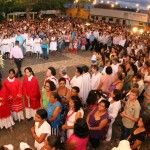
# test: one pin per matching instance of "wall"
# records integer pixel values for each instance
(139, 17)
(83, 13)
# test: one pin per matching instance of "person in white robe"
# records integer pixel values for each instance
(86, 83)
(96, 76)
(37, 46)
(77, 80)
(6, 46)
(53, 43)
(29, 45)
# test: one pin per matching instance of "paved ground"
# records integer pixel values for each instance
(22, 129)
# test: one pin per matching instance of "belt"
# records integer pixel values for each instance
(18, 58)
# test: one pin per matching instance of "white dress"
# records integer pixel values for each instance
(71, 120)
(12, 42)
(86, 86)
(29, 45)
(44, 128)
(53, 44)
(6, 46)
(37, 46)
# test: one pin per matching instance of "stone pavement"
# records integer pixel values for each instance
(39, 66)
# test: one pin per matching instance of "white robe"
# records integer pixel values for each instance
(29, 45)
(78, 81)
(53, 44)
(37, 46)
(6, 46)
(95, 80)
(86, 86)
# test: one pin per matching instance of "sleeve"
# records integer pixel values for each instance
(46, 128)
(3, 95)
(10, 98)
(137, 112)
(19, 91)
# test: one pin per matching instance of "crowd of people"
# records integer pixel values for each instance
(80, 110)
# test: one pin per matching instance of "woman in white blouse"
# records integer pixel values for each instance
(74, 113)
(41, 129)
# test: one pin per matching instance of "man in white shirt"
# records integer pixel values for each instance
(96, 76)
(122, 41)
(17, 54)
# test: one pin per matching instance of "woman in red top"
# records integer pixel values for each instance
(14, 95)
(5, 115)
(31, 93)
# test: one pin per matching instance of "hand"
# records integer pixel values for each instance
(123, 114)
(64, 127)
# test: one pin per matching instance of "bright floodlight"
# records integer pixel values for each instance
(116, 3)
(102, 1)
(137, 5)
(112, 5)
(141, 31)
(135, 29)
(108, 2)
(148, 6)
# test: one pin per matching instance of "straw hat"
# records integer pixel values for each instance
(123, 145)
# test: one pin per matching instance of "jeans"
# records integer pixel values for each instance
(45, 56)
(18, 63)
(125, 132)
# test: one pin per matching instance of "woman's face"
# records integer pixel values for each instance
(48, 73)
(62, 84)
(120, 69)
(47, 146)
(27, 73)
(101, 106)
(11, 75)
(52, 99)
(71, 103)
(140, 123)
(38, 118)
(47, 87)
(73, 92)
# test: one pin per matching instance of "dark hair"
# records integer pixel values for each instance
(92, 97)
(95, 67)
(77, 102)
(119, 75)
(56, 96)
(109, 70)
(54, 141)
(123, 68)
(81, 129)
(53, 71)
(138, 76)
(16, 42)
(51, 84)
(42, 113)
(29, 69)
(85, 68)
(76, 89)
(62, 79)
(117, 94)
(79, 69)
(12, 70)
(147, 63)
(146, 121)
(2, 148)
(106, 102)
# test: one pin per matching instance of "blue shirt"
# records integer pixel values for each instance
(91, 38)
(20, 38)
(50, 111)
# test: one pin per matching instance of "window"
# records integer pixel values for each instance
(111, 19)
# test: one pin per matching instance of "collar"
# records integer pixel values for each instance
(11, 80)
(30, 78)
